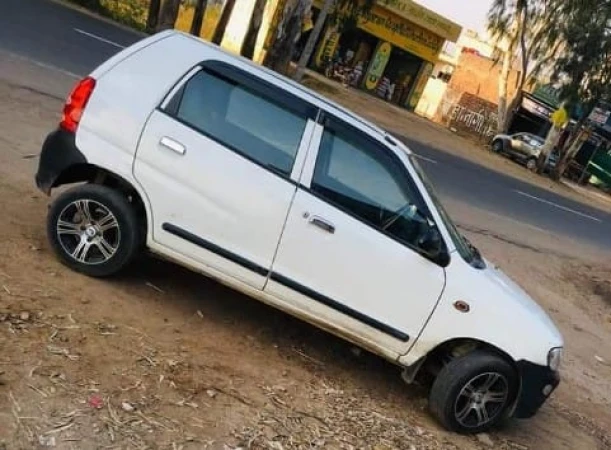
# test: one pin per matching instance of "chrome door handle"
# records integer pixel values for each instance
(173, 145)
(323, 224)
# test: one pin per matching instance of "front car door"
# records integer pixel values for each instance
(218, 161)
(349, 249)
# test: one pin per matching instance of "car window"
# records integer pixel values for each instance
(366, 181)
(242, 120)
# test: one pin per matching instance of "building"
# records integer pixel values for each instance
(393, 47)
(390, 52)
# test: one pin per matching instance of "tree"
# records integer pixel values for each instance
(527, 30)
(168, 15)
(585, 65)
(198, 17)
(250, 41)
(219, 31)
(153, 16)
(288, 30)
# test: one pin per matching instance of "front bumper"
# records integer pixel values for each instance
(538, 383)
(59, 152)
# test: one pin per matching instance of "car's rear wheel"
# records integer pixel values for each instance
(94, 229)
(531, 164)
(474, 392)
(497, 146)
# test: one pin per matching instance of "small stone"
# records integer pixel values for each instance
(85, 301)
(419, 431)
(599, 359)
(25, 316)
(211, 393)
(484, 438)
(46, 440)
(127, 407)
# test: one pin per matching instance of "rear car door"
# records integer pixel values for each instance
(218, 161)
(349, 248)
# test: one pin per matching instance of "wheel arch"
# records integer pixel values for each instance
(91, 173)
(452, 348)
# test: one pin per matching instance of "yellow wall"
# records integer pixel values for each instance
(404, 34)
(424, 17)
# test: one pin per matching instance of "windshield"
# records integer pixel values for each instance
(464, 248)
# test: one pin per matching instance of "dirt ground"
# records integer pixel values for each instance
(164, 358)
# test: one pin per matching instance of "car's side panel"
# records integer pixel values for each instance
(125, 96)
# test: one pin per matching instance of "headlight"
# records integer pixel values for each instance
(554, 357)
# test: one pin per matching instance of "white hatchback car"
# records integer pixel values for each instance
(236, 172)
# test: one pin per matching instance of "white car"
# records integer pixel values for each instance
(236, 172)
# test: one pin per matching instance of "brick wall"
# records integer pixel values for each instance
(480, 76)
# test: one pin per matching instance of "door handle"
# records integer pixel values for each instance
(323, 224)
(173, 145)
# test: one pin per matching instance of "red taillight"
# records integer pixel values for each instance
(75, 105)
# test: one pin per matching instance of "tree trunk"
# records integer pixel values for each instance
(250, 41)
(551, 141)
(153, 16)
(503, 82)
(312, 39)
(219, 31)
(168, 15)
(198, 17)
(278, 57)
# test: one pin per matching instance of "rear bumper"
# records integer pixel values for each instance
(59, 152)
(538, 383)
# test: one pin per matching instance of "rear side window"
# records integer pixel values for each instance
(241, 119)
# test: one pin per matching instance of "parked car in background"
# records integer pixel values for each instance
(522, 147)
(236, 172)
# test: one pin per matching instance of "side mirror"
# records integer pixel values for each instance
(433, 246)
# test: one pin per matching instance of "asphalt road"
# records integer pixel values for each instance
(51, 34)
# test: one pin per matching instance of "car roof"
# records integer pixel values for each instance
(303, 92)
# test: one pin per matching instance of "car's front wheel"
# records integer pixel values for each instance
(474, 392)
(94, 230)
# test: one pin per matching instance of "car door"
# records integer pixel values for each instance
(218, 161)
(349, 252)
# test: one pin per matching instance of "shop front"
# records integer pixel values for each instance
(391, 51)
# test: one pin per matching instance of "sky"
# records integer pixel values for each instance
(468, 13)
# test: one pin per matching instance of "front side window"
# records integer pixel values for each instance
(366, 181)
(243, 120)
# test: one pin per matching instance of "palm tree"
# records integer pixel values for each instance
(219, 31)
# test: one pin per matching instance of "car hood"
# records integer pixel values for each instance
(516, 296)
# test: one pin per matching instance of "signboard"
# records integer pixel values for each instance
(430, 20)
(327, 49)
(600, 116)
(535, 108)
(402, 33)
(378, 65)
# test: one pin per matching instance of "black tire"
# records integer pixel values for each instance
(498, 146)
(118, 235)
(447, 400)
(531, 164)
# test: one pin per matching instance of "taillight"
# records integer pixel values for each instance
(75, 105)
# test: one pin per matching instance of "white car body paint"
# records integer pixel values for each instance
(414, 296)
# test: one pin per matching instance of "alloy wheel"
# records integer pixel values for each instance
(88, 232)
(481, 400)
